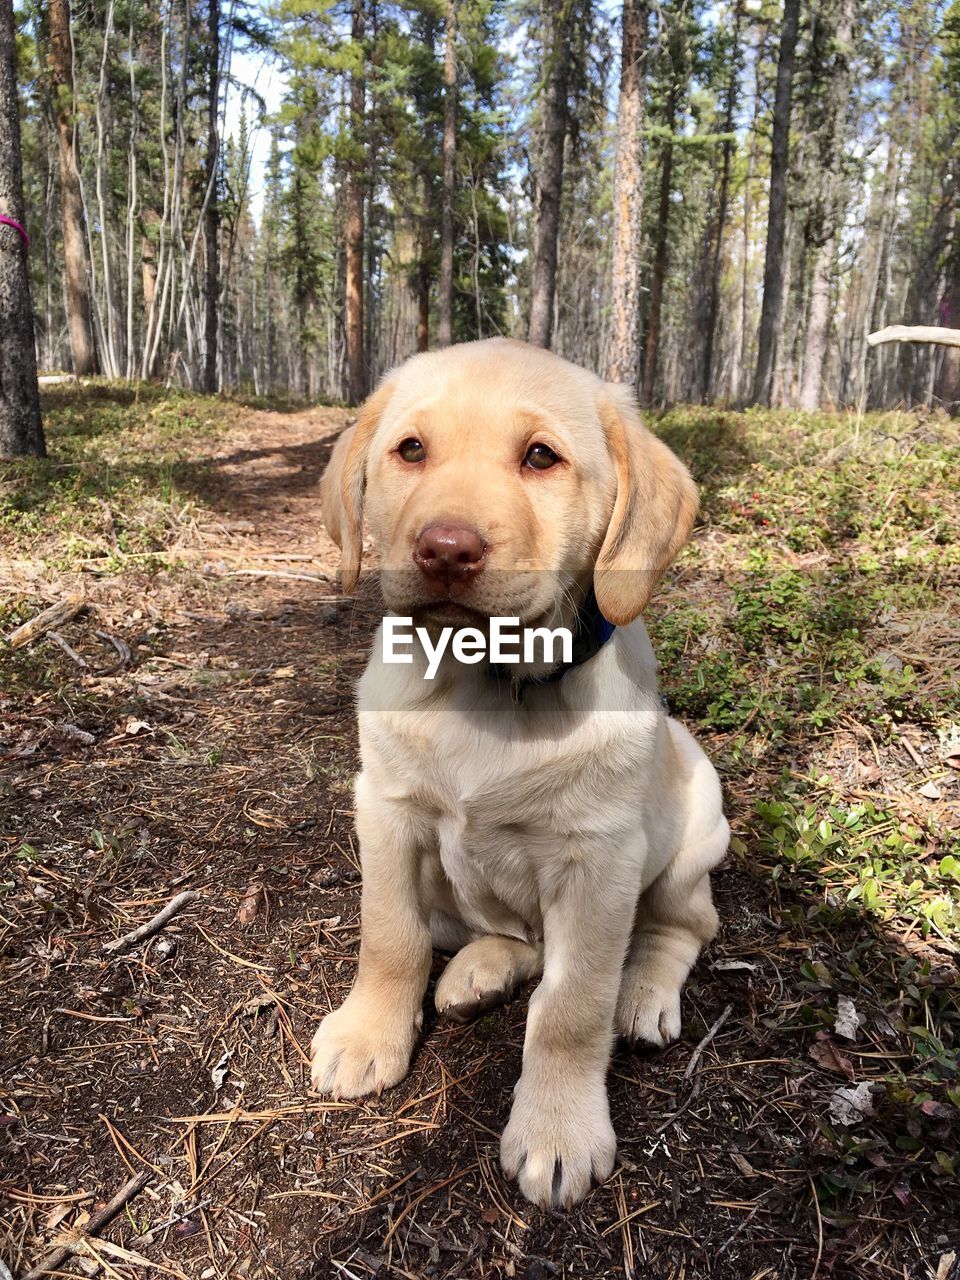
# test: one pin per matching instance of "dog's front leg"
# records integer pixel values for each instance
(559, 1138)
(366, 1044)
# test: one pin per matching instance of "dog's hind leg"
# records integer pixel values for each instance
(673, 925)
(675, 916)
(485, 973)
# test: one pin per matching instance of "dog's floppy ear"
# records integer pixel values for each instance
(654, 511)
(344, 480)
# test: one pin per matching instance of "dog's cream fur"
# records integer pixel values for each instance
(569, 835)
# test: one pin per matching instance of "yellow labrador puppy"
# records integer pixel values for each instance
(543, 819)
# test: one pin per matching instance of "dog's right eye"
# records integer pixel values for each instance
(411, 450)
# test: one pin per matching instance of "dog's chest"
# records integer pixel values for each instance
(492, 875)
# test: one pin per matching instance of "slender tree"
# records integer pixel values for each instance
(76, 281)
(354, 199)
(723, 200)
(829, 203)
(623, 358)
(556, 21)
(773, 271)
(677, 72)
(212, 215)
(445, 324)
(21, 431)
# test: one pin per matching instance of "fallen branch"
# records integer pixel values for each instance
(152, 926)
(72, 654)
(42, 622)
(278, 573)
(122, 648)
(96, 1222)
(698, 1051)
(915, 333)
(691, 1068)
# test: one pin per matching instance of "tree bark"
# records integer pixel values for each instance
(777, 218)
(557, 22)
(624, 355)
(445, 323)
(21, 431)
(424, 267)
(729, 123)
(661, 253)
(829, 211)
(76, 282)
(212, 218)
(356, 365)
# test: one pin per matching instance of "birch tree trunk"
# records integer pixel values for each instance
(21, 431)
(76, 282)
(623, 361)
(556, 23)
(111, 363)
(777, 219)
(445, 324)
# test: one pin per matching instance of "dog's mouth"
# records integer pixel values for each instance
(449, 613)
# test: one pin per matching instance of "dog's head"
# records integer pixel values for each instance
(498, 479)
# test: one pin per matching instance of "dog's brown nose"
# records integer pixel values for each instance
(450, 552)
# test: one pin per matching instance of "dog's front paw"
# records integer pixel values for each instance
(558, 1142)
(359, 1050)
(648, 1007)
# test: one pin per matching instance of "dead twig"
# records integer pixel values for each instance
(152, 926)
(698, 1051)
(691, 1068)
(123, 651)
(72, 654)
(95, 1224)
(42, 622)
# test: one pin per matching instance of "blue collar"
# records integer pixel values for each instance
(591, 634)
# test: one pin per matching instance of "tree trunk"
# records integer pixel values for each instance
(556, 23)
(818, 324)
(829, 212)
(76, 282)
(21, 431)
(882, 206)
(661, 253)
(777, 219)
(624, 357)
(445, 324)
(729, 124)
(356, 367)
(212, 219)
(423, 268)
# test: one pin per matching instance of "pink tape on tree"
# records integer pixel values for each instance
(17, 226)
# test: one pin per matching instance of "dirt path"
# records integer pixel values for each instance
(220, 760)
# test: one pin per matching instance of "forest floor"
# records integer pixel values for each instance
(810, 636)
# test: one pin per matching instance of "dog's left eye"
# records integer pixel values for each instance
(411, 450)
(540, 457)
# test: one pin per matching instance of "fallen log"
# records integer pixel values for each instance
(915, 333)
(45, 621)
